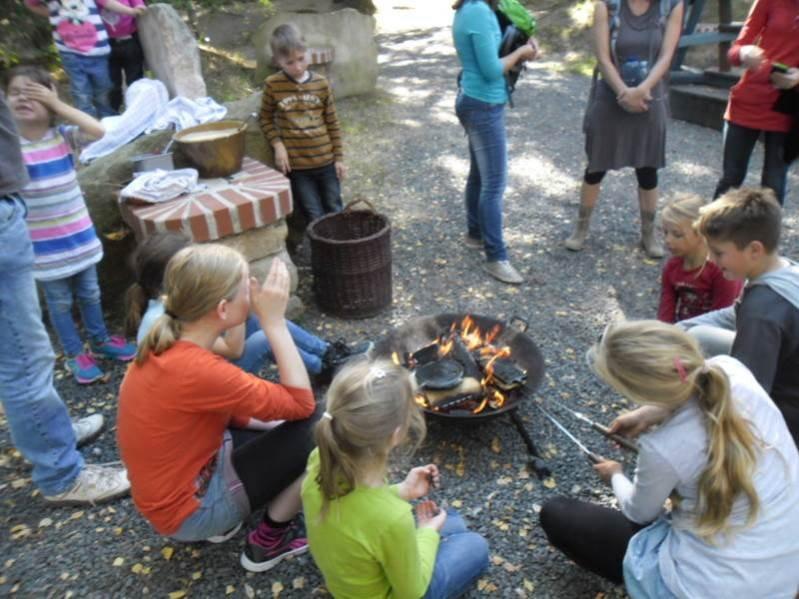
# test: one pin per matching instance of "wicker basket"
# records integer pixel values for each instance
(351, 261)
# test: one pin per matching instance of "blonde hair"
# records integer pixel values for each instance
(286, 39)
(651, 362)
(366, 403)
(197, 278)
(683, 207)
(742, 216)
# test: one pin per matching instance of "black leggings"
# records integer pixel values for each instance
(647, 177)
(593, 536)
(267, 462)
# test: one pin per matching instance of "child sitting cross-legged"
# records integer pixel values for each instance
(65, 244)
(195, 471)
(361, 530)
(245, 345)
(298, 118)
(742, 229)
(691, 284)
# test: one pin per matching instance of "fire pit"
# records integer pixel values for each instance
(469, 368)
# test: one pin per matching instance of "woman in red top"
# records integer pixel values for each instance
(195, 471)
(769, 36)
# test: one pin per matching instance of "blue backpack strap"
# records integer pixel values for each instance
(614, 20)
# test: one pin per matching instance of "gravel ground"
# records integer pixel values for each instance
(408, 155)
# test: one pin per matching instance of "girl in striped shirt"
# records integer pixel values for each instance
(65, 243)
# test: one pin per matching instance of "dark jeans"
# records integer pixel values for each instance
(488, 171)
(593, 536)
(127, 57)
(316, 190)
(89, 83)
(738, 145)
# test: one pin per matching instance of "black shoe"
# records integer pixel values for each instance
(339, 352)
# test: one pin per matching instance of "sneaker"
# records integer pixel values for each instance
(88, 429)
(225, 536)
(266, 546)
(84, 369)
(502, 270)
(472, 242)
(95, 484)
(114, 348)
(339, 352)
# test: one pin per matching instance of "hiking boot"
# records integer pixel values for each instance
(95, 484)
(472, 242)
(114, 348)
(576, 242)
(502, 270)
(267, 546)
(650, 241)
(88, 429)
(216, 539)
(339, 352)
(84, 369)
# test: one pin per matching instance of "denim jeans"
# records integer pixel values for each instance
(37, 418)
(257, 349)
(488, 172)
(59, 293)
(316, 190)
(89, 82)
(462, 556)
(738, 145)
(714, 341)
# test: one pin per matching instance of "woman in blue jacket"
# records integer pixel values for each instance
(480, 107)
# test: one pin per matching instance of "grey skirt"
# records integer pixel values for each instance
(615, 138)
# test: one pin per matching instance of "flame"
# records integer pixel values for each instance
(481, 407)
(395, 358)
(445, 347)
(489, 367)
(497, 399)
(421, 401)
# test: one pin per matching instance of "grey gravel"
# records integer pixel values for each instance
(407, 154)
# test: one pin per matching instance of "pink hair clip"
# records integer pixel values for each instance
(678, 366)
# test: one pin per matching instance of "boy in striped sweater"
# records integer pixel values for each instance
(65, 244)
(298, 117)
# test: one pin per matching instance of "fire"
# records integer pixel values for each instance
(396, 359)
(489, 367)
(421, 401)
(445, 347)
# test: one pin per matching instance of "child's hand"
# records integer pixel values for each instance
(137, 11)
(341, 170)
(787, 80)
(269, 300)
(45, 95)
(282, 158)
(419, 482)
(752, 57)
(607, 469)
(429, 516)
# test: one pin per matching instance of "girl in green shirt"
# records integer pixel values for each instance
(361, 531)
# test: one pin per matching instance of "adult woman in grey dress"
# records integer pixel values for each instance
(625, 122)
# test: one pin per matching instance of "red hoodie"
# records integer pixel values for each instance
(773, 25)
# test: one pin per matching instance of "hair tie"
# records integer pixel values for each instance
(680, 369)
(327, 415)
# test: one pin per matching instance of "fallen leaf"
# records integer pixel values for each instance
(504, 481)
(45, 522)
(167, 552)
(196, 575)
(248, 590)
(529, 586)
(550, 483)
(18, 483)
(496, 445)
(177, 594)
(456, 503)
(230, 589)
(298, 583)
(118, 562)
(497, 560)
(136, 568)
(277, 588)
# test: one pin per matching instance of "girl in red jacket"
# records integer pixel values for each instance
(769, 41)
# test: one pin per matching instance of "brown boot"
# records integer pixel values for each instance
(650, 241)
(577, 240)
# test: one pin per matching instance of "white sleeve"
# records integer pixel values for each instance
(642, 499)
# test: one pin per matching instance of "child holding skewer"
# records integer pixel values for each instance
(361, 531)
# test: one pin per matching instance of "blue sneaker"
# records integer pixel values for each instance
(114, 348)
(84, 369)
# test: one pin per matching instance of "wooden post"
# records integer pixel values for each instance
(725, 18)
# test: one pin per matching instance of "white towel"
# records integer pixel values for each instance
(161, 186)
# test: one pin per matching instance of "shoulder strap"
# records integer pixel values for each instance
(614, 20)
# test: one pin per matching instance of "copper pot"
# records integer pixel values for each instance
(215, 149)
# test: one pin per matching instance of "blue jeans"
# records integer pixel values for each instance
(488, 172)
(90, 83)
(37, 418)
(738, 145)
(257, 349)
(316, 190)
(462, 556)
(59, 293)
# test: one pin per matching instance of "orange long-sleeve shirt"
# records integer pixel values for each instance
(173, 411)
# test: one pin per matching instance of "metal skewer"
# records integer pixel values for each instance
(620, 439)
(594, 457)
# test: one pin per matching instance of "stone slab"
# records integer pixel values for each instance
(259, 243)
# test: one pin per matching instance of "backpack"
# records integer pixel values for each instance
(517, 26)
(614, 7)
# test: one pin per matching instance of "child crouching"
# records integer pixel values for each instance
(65, 243)
(361, 531)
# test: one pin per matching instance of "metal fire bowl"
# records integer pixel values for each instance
(418, 332)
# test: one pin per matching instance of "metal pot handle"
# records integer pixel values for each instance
(349, 205)
(518, 323)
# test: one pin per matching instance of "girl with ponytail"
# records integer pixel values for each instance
(361, 530)
(713, 442)
(195, 473)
